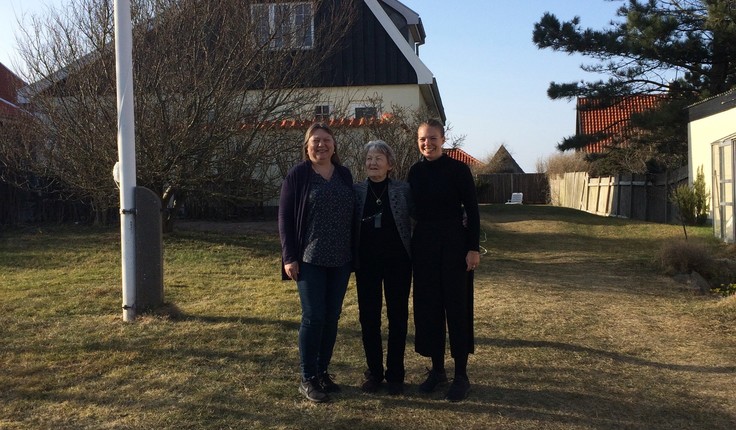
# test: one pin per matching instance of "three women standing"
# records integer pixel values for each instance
(316, 214)
(315, 224)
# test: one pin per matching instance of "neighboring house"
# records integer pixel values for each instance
(375, 69)
(460, 155)
(13, 200)
(712, 148)
(503, 162)
(381, 61)
(9, 86)
(610, 119)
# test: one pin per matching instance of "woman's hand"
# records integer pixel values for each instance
(472, 260)
(292, 270)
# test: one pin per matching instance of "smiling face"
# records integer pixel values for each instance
(320, 146)
(376, 165)
(430, 141)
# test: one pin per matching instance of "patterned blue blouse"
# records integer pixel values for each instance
(329, 222)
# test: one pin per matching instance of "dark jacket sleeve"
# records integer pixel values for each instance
(359, 192)
(290, 212)
(469, 198)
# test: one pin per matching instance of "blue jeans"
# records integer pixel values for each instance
(321, 292)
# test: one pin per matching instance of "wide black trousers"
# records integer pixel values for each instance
(375, 278)
(443, 290)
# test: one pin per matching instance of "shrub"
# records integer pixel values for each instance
(692, 202)
(683, 256)
(683, 197)
(560, 163)
(702, 198)
(725, 290)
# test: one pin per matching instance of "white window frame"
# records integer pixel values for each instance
(723, 191)
(321, 115)
(269, 31)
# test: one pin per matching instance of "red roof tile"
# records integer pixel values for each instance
(332, 123)
(613, 118)
(460, 155)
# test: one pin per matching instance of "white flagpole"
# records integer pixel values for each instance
(126, 151)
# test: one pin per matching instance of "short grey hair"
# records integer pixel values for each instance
(382, 147)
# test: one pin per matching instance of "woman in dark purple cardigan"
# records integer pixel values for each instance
(315, 224)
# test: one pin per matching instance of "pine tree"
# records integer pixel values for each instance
(682, 49)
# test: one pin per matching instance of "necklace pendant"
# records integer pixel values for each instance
(378, 202)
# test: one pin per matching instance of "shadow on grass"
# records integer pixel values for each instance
(627, 359)
(561, 243)
(564, 408)
(257, 240)
(514, 213)
(240, 320)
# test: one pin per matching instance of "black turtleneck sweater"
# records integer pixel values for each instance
(441, 189)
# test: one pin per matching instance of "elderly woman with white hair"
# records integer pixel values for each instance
(382, 266)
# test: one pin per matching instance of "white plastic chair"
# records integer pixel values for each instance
(516, 199)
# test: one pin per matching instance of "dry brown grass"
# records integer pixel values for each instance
(576, 328)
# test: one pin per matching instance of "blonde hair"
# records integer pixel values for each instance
(432, 122)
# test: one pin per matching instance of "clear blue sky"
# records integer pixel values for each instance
(492, 78)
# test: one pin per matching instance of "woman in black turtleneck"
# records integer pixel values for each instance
(382, 266)
(445, 253)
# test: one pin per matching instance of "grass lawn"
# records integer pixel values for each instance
(576, 328)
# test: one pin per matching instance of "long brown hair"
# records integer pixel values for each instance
(320, 126)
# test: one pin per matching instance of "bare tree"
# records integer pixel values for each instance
(211, 77)
(396, 125)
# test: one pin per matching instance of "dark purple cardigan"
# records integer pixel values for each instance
(293, 210)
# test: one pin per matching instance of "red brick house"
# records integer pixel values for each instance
(9, 85)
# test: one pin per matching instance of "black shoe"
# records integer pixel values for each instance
(458, 389)
(434, 379)
(328, 385)
(312, 390)
(371, 384)
(395, 388)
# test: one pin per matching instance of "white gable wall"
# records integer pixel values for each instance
(408, 96)
(702, 133)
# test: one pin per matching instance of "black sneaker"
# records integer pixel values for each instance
(434, 379)
(395, 388)
(328, 385)
(371, 384)
(458, 389)
(312, 390)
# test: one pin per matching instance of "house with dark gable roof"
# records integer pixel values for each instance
(357, 80)
(376, 67)
(380, 60)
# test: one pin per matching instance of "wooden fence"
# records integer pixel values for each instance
(497, 187)
(25, 207)
(640, 197)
